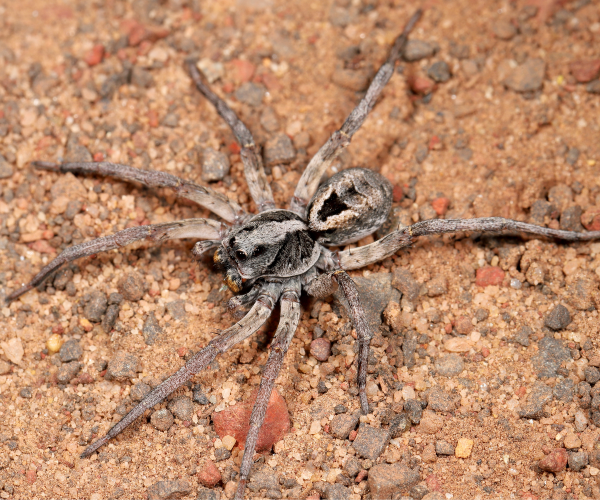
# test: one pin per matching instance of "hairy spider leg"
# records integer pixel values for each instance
(390, 244)
(186, 228)
(340, 139)
(248, 325)
(290, 317)
(259, 187)
(204, 196)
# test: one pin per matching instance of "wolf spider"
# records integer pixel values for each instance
(272, 256)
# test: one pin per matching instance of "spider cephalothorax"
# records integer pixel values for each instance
(276, 254)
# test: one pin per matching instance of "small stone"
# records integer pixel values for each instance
(440, 400)
(343, 424)
(122, 366)
(592, 374)
(142, 78)
(577, 460)
(560, 196)
(416, 50)
(95, 55)
(464, 325)
(207, 494)
(444, 448)
(350, 79)
(540, 209)
(450, 365)
(171, 120)
(320, 349)
(428, 455)
(54, 343)
(176, 309)
(251, 93)
(131, 286)
(13, 350)
(431, 423)
(564, 390)
(139, 391)
(558, 318)
(167, 490)
(6, 170)
(76, 151)
(505, 30)
(581, 421)
(67, 372)
(110, 317)
(279, 149)
(215, 165)
(162, 419)
(151, 329)
(570, 219)
(235, 422)
(582, 292)
(591, 219)
(26, 393)
(489, 275)
(554, 461)
(585, 71)
(70, 351)
(593, 87)
(182, 407)
(437, 286)
(370, 441)
(403, 281)
(399, 425)
(222, 454)
(572, 441)
(96, 306)
(414, 410)
(463, 448)
(352, 467)
(337, 409)
(481, 314)
(269, 120)
(209, 475)
(534, 407)
(527, 77)
(439, 72)
(228, 442)
(522, 336)
(198, 396)
(440, 205)
(572, 156)
(4, 367)
(385, 480)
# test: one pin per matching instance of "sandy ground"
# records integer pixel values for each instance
(66, 90)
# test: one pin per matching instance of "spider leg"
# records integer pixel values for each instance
(186, 228)
(248, 325)
(290, 316)
(322, 286)
(390, 244)
(204, 196)
(253, 168)
(340, 139)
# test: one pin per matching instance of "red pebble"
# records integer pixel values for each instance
(320, 349)
(433, 483)
(420, 84)
(209, 475)
(435, 143)
(181, 352)
(485, 352)
(361, 476)
(244, 70)
(448, 328)
(140, 33)
(98, 156)
(30, 476)
(489, 275)
(464, 325)
(58, 329)
(521, 391)
(397, 193)
(352, 435)
(591, 219)
(95, 55)
(440, 205)
(555, 461)
(42, 246)
(585, 71)
(236, 421)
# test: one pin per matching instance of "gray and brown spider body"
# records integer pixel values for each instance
(273, 255)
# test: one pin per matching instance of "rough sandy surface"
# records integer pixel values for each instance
(510, 124)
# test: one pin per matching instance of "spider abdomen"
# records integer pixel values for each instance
(349, 206)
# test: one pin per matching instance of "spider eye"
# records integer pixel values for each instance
(259, 250)
(240, 255)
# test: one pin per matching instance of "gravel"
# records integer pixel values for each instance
(449, 365)
(278, 150)
(577, 460)
(414, 410)
(70, 351)
(122, 366)
(404, 281)
(570, 219)
(386, 480)
(558, 318)
(67, 372)
(162, 419)
(151, 329)
(343, 424)
(564, 390)
(370, 441)
(534, 407)
(251, 93)
(131, 286)
(444, 448)
(527, 77)
(6, 169)
(167, 490)
(418, 49)
(182, 407)
(439, 72)
(215, 165)
(110, 317)
(139, 391)
(439, 400)
(96, 306)
(177, 309)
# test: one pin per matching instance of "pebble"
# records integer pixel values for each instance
(414, 410)
(54, 343)
(572, 156)
(110, 317)
(418, 49)
(141, 78)
(342, 424)
(591, 219)
(572, 441)
(209, 475)
(198, 396)
(70, 351)
(67, 372)
(26, 393)
(235, 422)
(320, 349)
(540, 209)
(431, 422)
(593, 87)
(522, 336)
(581, 293)
(577, 460)
(370, 441)
(176, 309)
(449, 365)
(463, 448)
(558, 318)
(505, 30)
(437, 286)
(403, 281)
(399, 425)
(561, 196)
(440, 400)
(441, 205)
(337, 409)
(585, 71)
(228, 442)
(171, 120)
(279, 150)
(527, 77)
(139, 391)
(534, 407)
(122, 366)
(182, 407)
(264, 479)
(6, 169)
(581, 421)
(439, 72)
(215, 165)
(428, 455)
(162, 419)
(489, 275)
(269, 120)
(592, 374)
(207, 494)
(76, 151)
(250, 93)
(131, 286)
(464, 325)
(4, 367)
(96, 306)
(385, 480)
(444, 448)
(570, 219)
(222, 454)
(350, 79)
(564, 390)
(167, 490)
(95, 55)
(554, 461)
(13, 350)
(151, 329)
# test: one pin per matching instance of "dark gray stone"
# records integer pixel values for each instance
(215, 165)
(577, 460)
(151, 329)
(67, 372)
(279, 149)
(439, 72)
(110, 317)
(343, 424)
(444, 448)
(570, 219)
(399, 425)
(131, 286)
(70, 351)
(139, 391)
(386, 480)
(539, 211)
(250, 93)
(222, 454)
(337, 409)
(440, 400)
(540, 395)
(96, 306)
(414, 410)
(551, 354)
(208, 494)
(481, 314)
(162, 419)
(182, 407)
(141, 78)
(337, 491)
(115, 299)
(564, 390)
(403, 281)
(171, 120)
(352, 467)
(264, 479)
(418, 49)
(167, 490)
(198, 396)
(177, 309)
(592, 374)
(409, 347)
(122, 366)
(449, 365)
(370, 441)
(26, 393)
(522, 336)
